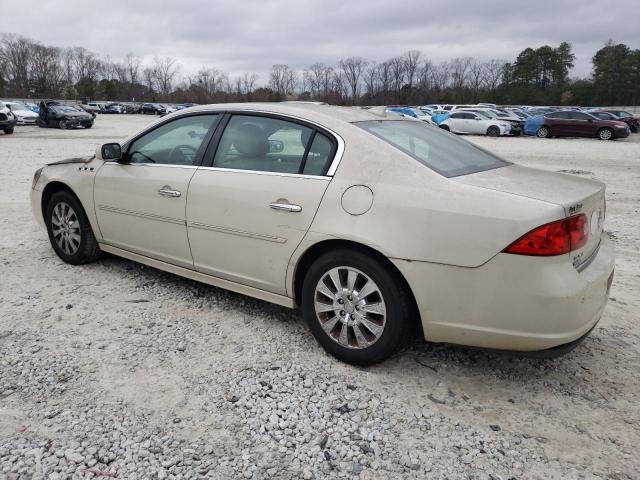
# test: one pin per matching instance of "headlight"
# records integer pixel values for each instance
(36, 177)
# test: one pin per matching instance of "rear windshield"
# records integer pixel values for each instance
(441, 151)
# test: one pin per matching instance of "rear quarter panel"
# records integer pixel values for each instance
(418, 214)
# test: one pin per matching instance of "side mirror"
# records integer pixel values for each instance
(111, 151)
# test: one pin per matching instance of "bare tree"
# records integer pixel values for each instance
(164, 72)
(371, 77)
(398, 73)
(411, 65)
(493, 73)
(476, 77)
(352, 68)
(319, 77)
(282, 79)
(15, 53)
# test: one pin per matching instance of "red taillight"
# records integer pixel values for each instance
(555, 238)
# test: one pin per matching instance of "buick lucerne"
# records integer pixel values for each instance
(375, 226)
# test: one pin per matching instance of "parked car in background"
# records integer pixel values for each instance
(503, 115)
(373, 224)
(468, 122)
(24, 115)
(152, 109)
(182, 106)
(572, 123)
(169, 108)
(626, 117)
(55, 114)
(7, 119)
(112, 108)
(90, 108)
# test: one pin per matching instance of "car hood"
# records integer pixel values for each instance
(557, 188)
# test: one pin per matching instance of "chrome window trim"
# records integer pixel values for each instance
(260, 172)
(333, 167)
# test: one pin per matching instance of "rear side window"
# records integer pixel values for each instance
(442, 152)
(318, 156)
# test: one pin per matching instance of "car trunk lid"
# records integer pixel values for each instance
(576, 195)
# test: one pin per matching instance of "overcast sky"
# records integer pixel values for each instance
(250, 35)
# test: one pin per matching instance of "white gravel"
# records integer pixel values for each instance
(118, 370)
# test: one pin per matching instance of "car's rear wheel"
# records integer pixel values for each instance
(543, 132)
(605, 134)
(8, 131)
(493, 131)
(69, 230)
(357, 308)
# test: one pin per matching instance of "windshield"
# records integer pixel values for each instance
(441, 151)
(19, 107)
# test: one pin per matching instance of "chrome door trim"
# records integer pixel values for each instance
(240, 233)
(110, 162)
(260, 172)
(134, 213)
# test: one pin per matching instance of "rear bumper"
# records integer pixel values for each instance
(512, 302)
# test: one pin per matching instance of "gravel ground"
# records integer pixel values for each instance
(118, 370)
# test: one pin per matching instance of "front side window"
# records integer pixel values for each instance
(263, 144)
(174, 143)
(442, 152)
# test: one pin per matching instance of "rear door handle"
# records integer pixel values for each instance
(286, 207)
(167, 191)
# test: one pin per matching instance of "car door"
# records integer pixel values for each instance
(250, 208)
(475, 123)
(583, 125)
(560, 124)
(457, 122)
(140, 201)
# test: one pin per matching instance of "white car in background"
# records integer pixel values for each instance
(468, 122)
(24, 115)
(374, 225)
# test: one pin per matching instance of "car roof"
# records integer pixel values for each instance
(327, 115)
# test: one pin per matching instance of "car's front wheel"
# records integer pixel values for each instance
(62, 124)
(69, 230)
(357, 308)
(605, 134)
(8, 130)
(493, 131)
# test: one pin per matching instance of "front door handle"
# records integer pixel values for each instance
(167, 191)
(285, 207)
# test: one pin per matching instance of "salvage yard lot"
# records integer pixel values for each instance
(116, 369)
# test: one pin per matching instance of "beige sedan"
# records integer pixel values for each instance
(376, 227)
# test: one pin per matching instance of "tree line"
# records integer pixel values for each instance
(540, 76)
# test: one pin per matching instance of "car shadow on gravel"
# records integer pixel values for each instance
(575, 371)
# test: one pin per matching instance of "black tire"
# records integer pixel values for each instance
(543, 132)
(8, 131)
(88, 125)
(392, 289)
(445, 127)
(62, 125)
(606, 134)
(88, 249)
(493, 131)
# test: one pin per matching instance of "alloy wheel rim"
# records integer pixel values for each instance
(65, 228)
(605, 134)
(350, 307)
(543, 132)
